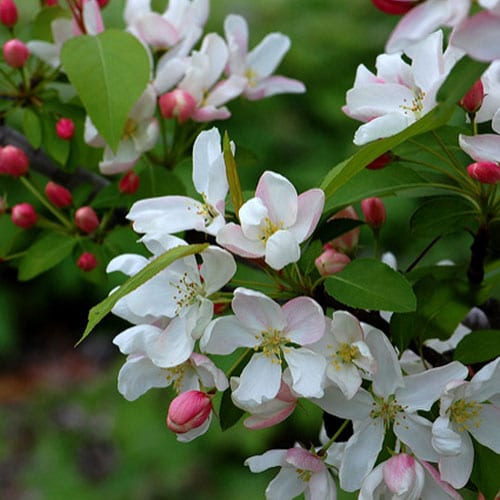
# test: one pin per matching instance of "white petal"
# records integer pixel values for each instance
(232, 237)
(305, 320)
(282, 249)
(217, 269)
(127, 263)
(266, 56)
(482, 147)
(309, 209)
(287, 484)
(273, 85)
(335, 403)
(416, 432)
(456, 469)
(225, 335)
(308, 371)
(384, 126)
(136, 339)
(271, 458)
(487, 433)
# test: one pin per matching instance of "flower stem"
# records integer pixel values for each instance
(332, 440)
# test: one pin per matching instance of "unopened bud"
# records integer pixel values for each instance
(129, 183)
(381, 162)
(220, 307)
(399, 473)
(331, 261)
(189, 410)
(394, 6)
(486, 172)
(15, 53)
(13, 161)
(8, 13)
(23, 215)
(473, 100)
(374, 212)
(86, 219)
(348, 241)
(50, 3)
(87, 261)
(65, 128)
(102, 3)
(177, 104)
(58, 195)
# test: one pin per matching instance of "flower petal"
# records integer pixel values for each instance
(281, 249)
(305, 320)
(308, 371)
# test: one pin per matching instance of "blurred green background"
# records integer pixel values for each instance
(65, 430)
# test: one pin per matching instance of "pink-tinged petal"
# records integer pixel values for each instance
(456, 469)
(346, 376)
(308, 372)
(169, 74)
(281, 249)
(360, 454)
(423, 389)
(435, 487)
(173, 346)
(136, 338)
(335, 403)
(416, 432)
(217, 269)
(252, 215)
(258, 421)
(271, 458)
(257, 312)
(127, 263)
(287, 484)
(384, 126)
(236, 32)
(482, 147)
(138, 375)
(225, 335)
(209, 374)
(188, 436)
(135, 9)
(210, 114)
(92, 18)
(479, 36)
(304, 459)
(305, 320)
(260, 380)
(346, 328)
(388, 377)
(216, 49)
(231, 237)
(309, 209)
(487, 432)
(274, 85)
(279, 196)
(156, 31)
(399, 473)
(226, 90)
(267, 55)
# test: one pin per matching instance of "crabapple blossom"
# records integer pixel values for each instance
(301, 472)
(140, 134)
(392, 403)
(331, 261)
(171, 214)
(258, 65)
(399, 93)
(467, 408)
(177, 104)
(274, 222)
(273, 332)
(346, 351)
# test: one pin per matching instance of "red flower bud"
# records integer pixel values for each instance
(8, 13)
(374, 212)
(177, 104)
(58, 195)
(87, 261)
(486, 172)
(381, 162)
(188, 411)
(86, 219)
(473, 100)
(395, 6)
(129, 183)
(15, 53)
(49, 3)
(220, 307)
(102, 3)
(23, 215)
(348, 241)
(331, 261)
(65, 128)
(13, 161)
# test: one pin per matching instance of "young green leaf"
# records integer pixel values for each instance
(478, 346)
(232, 175)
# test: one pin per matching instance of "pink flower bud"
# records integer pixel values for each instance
(58, 195)
(348, 241)
(86, 219)
(486, 172)
(102, 3)
(331, 261)
(399, 473)
(87, 261)
(23, 215)
(15, 53)
(129, 183)
(177, 104)
(189, 410)
(473, 100)
(374, 212)
(394, 6)
(381, 162)
(8, 13)
(65, 128)
(13, 161)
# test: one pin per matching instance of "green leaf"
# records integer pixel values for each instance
(485, 471)
(110, 72)
(98, 312)
(232, 175)
(371, 284)
(32, 128)
(44, 254)
(53, 145)
(334, 228)
(443, 215)
(478, 346)
(42, 24)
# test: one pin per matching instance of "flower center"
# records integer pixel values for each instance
(175, 376)
(386, 409)
(252, 77)
(268, 228)
(270, 343)
(207, 211)
(464, 413)
(187, 293)
(130, 128)
(417, 104)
